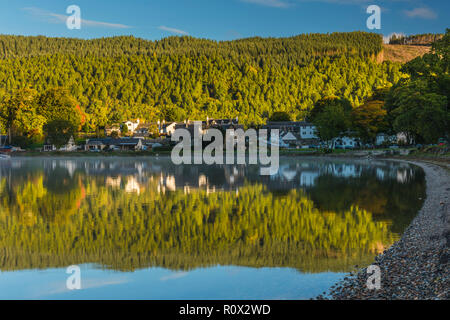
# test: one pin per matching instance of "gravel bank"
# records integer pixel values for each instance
(417, 266)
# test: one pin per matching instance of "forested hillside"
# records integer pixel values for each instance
(176, 78)
(286, 50)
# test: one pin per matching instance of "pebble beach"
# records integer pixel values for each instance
(417, 266)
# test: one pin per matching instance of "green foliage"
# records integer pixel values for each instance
(332, 117)
(280, 116)
(58, 104)
(419, 106)
(124, 130)
(369, 119)
(297, 49)
(332, 122)
(18, 114)
(59, 132)
(322, 104)
(422, 115)
(116, 79)
(442, 49)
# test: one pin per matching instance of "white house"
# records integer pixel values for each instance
(305, 130)
(123, 144)
(401, 137)
(308, 131)
(131, 125)
(381, 139)
(347, 142)
(288, 139)
(166, 128)
(69, 147)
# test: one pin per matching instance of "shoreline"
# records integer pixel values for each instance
(417, 266)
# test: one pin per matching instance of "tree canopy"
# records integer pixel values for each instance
(418, 105)
(178, 78)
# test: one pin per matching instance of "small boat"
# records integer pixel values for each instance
(4, 156)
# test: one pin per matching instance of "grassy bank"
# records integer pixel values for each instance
(90, 154)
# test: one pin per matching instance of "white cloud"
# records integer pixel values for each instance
(269, 3)
(423, 13)
(173, 30)
(56, 288)
(289, 3)
(61, 18)
(174, 276)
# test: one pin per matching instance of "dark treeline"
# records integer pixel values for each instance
(416, 40)
(297, 49)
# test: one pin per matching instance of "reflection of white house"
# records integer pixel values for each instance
(170, 183)
(202, 180)
(380, 174)
(287, 173)
(132, 186)
(113, 182)
(307, 179)
(345, 170)
(70, 166)
(402, 175)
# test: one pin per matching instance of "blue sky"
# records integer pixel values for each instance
(219, 19)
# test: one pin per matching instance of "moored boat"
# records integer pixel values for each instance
(4, 156)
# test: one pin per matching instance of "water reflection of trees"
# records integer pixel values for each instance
(126, 215)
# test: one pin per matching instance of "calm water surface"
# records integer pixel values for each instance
(147, 229)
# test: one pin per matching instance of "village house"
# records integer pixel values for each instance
(306, 130)
(401, 137)
(190, 126)
(166, 129)
(290, 140)
(144, 130)
(70, 146)
(131, 125)
(295, 134)
(223, 124)
(347, 143)
(124, 144)
(112, 128)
